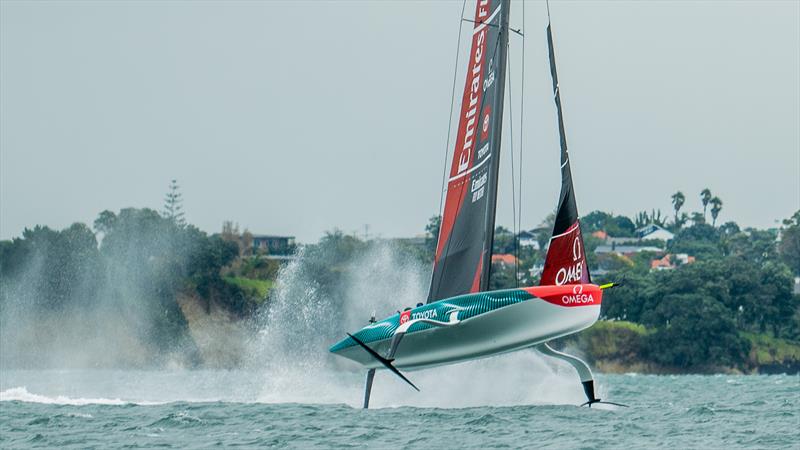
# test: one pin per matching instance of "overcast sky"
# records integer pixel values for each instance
(298, 117)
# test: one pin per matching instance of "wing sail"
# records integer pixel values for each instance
(463, 252)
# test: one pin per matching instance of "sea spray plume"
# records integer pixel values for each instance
(45, 276)
(332, 287)
(65, 302)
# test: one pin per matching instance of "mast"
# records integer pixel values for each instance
(463, 252)
(566, 260)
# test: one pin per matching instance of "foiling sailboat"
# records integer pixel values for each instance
(462, 320)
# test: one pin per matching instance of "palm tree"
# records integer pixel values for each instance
(716, 207)
(678, 199)
(705, 197)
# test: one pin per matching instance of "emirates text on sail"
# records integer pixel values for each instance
(475, 89)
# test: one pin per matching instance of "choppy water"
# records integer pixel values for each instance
(105, 409)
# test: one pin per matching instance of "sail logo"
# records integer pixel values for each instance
(489, 81)
(487, 112)
(577, 297)
(569, 274)
(479, 187)
(429, 314)
(405, 316)
(576, 249)
(473, 90)
(574, 272)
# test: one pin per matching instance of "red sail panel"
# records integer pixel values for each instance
(566, 260)
(466, 232)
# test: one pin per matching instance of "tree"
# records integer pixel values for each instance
(504, 241)
(729, 228)
(432, 234)
(594, 221)
(700, 240)
(545, 230)
(678, 199)
(789, 246)
(696, 332)
(619, 226)
(641, 219)
(105, 222)
(716, 207)
(705, 197)
(753, 245)
(697, 218)
(173, 205)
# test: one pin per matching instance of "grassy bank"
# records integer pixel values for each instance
(254, 288)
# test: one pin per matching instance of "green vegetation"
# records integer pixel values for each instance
(770, 351)
(730, 308)
(255, 288)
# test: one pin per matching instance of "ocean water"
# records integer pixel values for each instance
(110, 409)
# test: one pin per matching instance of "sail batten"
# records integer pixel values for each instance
(463, 251)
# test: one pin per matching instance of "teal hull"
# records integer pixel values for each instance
(489, 323)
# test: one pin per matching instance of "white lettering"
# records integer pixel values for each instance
(483, 150)
(577, 299)
(429, 314)
(569, 274)
(479, 182)
(474, 88)
(478, 195)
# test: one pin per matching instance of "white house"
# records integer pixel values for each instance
(528, 239)
(654, 231)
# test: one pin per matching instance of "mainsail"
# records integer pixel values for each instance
(566, 259)
(463, 252)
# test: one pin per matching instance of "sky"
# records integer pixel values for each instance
(298, 117)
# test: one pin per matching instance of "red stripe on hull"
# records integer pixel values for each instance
(568, 296)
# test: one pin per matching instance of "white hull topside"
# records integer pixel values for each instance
(502, 330)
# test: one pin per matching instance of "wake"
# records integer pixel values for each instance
(21, 394)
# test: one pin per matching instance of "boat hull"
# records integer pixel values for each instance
(524, 317)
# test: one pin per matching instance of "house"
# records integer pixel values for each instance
(624, 250)
(536, 270)
(671, 261)
(611, 240)
(273, 245)
(505, 259)
(528, 239)
(621, 240)
(419, 242)
(654, 231)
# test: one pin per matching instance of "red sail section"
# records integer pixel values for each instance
(465, 139)
(566, 260)
(466, 231)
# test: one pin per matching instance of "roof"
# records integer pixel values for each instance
(660, 262)
(504, 258)
(667, 261)
(600, 234)
(625, 249)
(653, 228)
(271, 236)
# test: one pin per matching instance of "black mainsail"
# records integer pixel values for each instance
(463, 253)
(566, 259)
